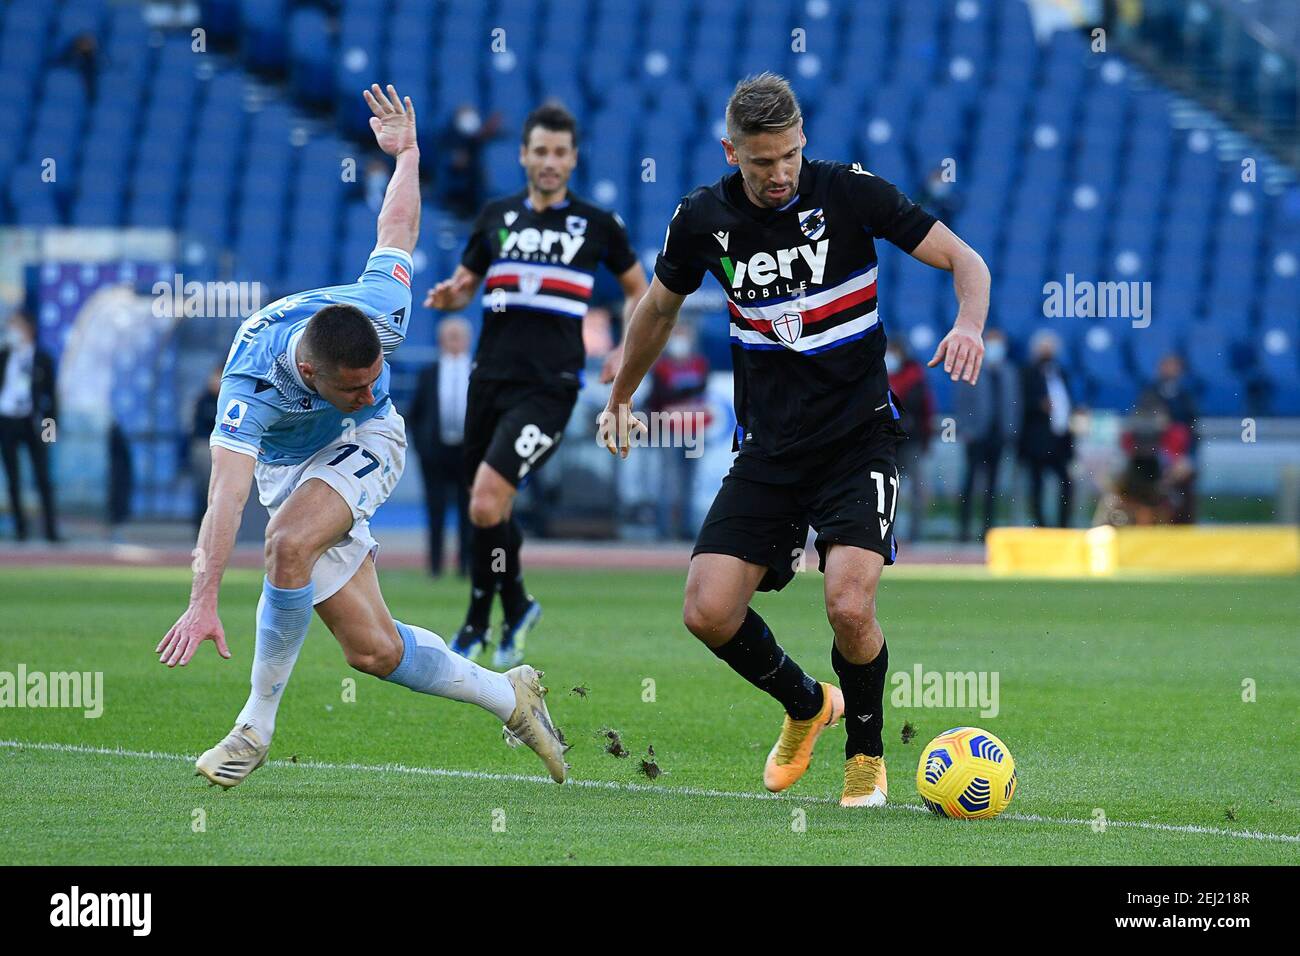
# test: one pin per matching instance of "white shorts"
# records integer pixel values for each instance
(363, 468)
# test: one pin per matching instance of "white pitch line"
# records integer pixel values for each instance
(644, 788)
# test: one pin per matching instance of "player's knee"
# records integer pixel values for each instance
(710, 621)
(288, 554)
(851, 614)
(379, 660)
(485, 510)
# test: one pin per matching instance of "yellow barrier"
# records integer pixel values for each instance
(1186, 549)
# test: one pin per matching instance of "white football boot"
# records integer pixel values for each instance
(530, 724)
(230, 761)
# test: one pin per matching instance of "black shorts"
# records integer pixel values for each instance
(514, 426)
(848, 492)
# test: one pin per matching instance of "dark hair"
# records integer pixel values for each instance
(553, 116)
(761, 104)
(25, 317)
(341, 336)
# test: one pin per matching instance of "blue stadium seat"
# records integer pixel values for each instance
(311, 56)
(263, 39)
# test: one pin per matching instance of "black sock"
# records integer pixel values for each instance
(864, 701)
(487, 562)
(754, 654)
(514, 597)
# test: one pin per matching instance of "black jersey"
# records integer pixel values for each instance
(539, 268)
(807, 345)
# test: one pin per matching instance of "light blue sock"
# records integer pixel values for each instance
(430, 667)
(283, 615)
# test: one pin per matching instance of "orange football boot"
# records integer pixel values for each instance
(793, 749)
(864, 782)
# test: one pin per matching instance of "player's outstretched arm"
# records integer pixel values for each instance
(646, 335)
(451, 295)
(634, 287)
(394, 128)
(962, 349)
(232, 473)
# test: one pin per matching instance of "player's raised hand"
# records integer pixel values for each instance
(394, 120)
(196, 625)
(962, 353)
(615, 427)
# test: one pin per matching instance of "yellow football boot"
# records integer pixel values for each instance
(864, 782)
(793, 749)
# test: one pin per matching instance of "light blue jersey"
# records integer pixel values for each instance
(265, 410)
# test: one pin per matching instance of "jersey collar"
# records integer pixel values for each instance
(562, 204)
(292, 355)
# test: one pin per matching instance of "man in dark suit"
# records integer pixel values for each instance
(436, 424)
(27, 406)
(1046, 444)
(988, 417)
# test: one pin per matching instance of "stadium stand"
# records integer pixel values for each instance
(1067, 161)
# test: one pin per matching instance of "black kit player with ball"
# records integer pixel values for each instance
(791, 242)
(537, 250)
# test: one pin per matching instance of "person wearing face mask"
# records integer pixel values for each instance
(679, 379)
(916, 407)
(987, 421)
(1046, 444)
(27, 402)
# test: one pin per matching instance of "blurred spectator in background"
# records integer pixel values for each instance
(678, 383)
(27, 400)
(598, 342)
(939, 194)
(987, 422)
(460, 180)
(82, 54)
(200, 453)
(1157, 467)
(436, 424)
(121, 481)
(1170, 389)
(1046, 445)
(916, 408)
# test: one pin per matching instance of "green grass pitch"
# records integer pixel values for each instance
(1124, 698)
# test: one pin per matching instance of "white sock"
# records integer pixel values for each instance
(283, 615)
(430, 667)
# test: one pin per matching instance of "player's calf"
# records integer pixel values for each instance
(429, 666)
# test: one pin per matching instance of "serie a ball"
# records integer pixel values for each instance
(966, 773)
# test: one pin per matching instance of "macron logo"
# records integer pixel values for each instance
(103, 909)
(400, 273)
(723, 238)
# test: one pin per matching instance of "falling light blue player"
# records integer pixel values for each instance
(305, 410)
